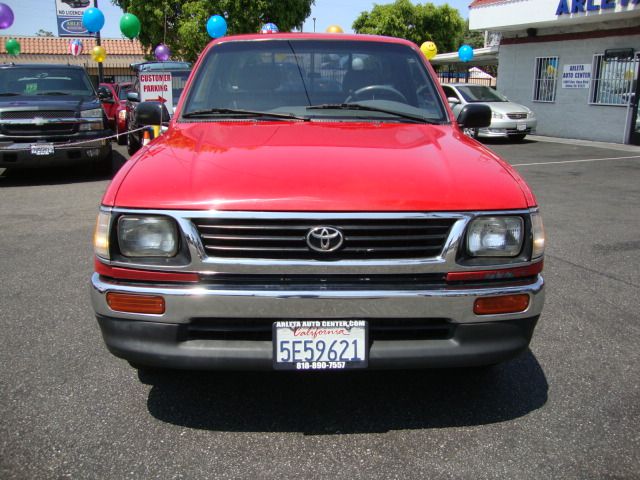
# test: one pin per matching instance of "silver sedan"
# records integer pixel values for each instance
(508, 119)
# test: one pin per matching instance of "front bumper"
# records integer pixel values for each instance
(18, 154)
(460, 338)
(506, 127)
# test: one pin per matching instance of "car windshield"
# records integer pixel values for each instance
(314, 79)
(31, 81)
(480, 93)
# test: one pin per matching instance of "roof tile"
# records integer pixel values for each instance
(60, 46)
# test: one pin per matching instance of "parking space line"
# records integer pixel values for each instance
(574, 161)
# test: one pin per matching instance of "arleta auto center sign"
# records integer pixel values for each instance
(576, 76)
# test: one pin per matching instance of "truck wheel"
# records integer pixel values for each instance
(132, 144)
(104, 165)
(122, 138)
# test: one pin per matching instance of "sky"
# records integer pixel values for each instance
(33, 15)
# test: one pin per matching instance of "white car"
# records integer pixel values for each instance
(508, 119)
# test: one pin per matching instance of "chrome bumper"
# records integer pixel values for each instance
(186, 302)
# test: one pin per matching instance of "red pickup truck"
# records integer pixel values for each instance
(314, 205)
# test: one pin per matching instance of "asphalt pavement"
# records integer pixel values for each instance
(569, 408)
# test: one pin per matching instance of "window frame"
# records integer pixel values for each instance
(596, 81)
(539, 81)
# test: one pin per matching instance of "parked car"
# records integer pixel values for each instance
(121, 115)
(45, 111)
(180, 73)
(276, 226)
(508, 119)
(108, 93)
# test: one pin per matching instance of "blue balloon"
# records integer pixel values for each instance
(93, 20)
(216, 26)
(465, 53)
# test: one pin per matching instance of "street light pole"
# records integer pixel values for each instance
(100, 69)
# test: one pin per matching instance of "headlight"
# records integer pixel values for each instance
(496, 115)
(538, 235)
(147, 236)
(94, 113)
(495, 237)
(101, 235)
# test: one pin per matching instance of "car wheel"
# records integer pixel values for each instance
(132, 144)
(517, 138)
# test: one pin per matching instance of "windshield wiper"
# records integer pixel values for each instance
(244, 113)
(53, 93)
(9, 94)
(359, 106)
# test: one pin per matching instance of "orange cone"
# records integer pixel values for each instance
(146, 138)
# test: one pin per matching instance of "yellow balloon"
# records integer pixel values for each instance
(429, 50)
(99, 54)
(335, 29)
(551, 70)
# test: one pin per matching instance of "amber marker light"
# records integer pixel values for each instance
(126, 302)
(502, 304)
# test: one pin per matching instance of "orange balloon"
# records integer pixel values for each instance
(335, 29)
(99, 54)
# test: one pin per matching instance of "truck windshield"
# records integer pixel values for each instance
(289, 76)
(32, 81)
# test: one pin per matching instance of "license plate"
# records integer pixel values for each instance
(42, 149)
(521, 127)
(320, 344)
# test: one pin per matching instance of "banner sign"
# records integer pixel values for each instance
(69, 14)
(157, 87)
(576, 76)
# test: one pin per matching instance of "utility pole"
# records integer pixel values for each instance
(314, 24)
(100, 69)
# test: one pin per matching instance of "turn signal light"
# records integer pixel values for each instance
(501, 304)
(126, 302)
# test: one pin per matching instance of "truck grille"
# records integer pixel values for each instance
(517, 116)
(39, 130)
(31, 114)
(364, 239)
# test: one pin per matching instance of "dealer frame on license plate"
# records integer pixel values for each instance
(320, 344)
(41, 149)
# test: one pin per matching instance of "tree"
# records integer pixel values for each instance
(44, 33)
(473, 38)
(442, 25)
(181, 24)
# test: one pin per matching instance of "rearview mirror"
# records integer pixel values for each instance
(133, 97)
(475, 116)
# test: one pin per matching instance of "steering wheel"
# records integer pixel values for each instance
(371, 91)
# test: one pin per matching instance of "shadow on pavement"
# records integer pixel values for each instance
(347, 402)
(60, 175)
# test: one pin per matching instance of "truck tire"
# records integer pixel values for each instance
(132, 144)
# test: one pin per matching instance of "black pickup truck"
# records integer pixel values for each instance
(50, 115)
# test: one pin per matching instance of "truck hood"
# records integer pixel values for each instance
(295, 166)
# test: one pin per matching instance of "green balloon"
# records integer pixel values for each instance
(13, 47)
(130, 25)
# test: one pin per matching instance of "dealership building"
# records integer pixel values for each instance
(575, 63)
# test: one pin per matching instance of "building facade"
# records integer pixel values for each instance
(575, 63)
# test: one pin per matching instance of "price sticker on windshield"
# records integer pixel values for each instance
(320, 344)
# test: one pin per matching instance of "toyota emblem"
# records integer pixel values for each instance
(324, 239)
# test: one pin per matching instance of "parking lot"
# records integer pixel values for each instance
(568, 408)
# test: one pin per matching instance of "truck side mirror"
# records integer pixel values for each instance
(474, 116)
(151, 113)
(133, 97)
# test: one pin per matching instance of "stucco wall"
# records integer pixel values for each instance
(571, 116)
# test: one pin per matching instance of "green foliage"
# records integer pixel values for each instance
(475, 38)
(442, 25)
(186, 31)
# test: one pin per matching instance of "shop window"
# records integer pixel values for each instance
(613, 80)
(544, 86)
